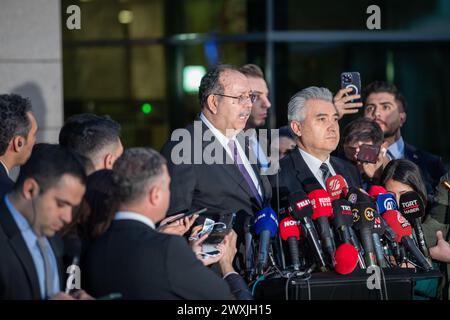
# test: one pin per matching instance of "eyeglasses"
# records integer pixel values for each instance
(241, 99)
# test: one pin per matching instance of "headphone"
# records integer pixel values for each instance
(19, 143)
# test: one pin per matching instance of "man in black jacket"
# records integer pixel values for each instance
(387, 106)
(313, 120)
(49, 185)
(18, 129)
(134, 259)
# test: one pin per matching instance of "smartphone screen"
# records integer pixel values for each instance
(368, 153)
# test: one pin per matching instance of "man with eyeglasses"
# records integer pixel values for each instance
(214, 172)
(260, 110)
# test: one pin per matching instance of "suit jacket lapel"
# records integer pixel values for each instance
(340, 169)
(58, 251)
(304, 174)
(20, 248)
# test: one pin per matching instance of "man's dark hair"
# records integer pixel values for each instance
(363, 129)
(381, 86)
(210, 82)
(285, 131)
(47, 164)
(13, 119)
(252, 70)
(135, 170)
(87, 133)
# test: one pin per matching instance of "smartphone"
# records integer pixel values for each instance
(351, 80)
(368, 153)
(221, 229)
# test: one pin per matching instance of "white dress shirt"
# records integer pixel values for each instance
(314, 165)
(128, 215)
(224, 142)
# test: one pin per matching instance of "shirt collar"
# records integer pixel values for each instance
(219, 135)
(313, 161)
(4, 166)
(397, 149)
(128, 215)
(20, 220)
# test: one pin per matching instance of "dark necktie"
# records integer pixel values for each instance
(325, 172)
(42, 244)
(238, 162)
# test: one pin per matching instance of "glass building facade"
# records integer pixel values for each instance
(129, 58)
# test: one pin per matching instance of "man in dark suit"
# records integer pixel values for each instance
(313, 119)
(210, 166)
(137, 261)
(18, 129)
(387, 106)
(49, 185)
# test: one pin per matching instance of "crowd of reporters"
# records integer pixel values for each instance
(119, 214)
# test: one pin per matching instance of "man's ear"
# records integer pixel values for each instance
(296, 128)
(30, 188)
(18, 143)
(402, 118)
(108, 161)
(154, 195)
(212, 103)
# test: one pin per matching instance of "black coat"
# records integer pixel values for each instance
(294, 175)
(430, 165)
(18, 275)
(219, 187)
(133, 259)
(6, 184)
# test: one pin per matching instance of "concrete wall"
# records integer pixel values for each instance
(31, 59)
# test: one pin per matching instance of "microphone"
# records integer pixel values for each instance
(301, 210)
(413, 209)
(290, 232)
(346, 258)
(364, 215)
(322, 209)
(249, 254)
(337, 187)
(375, 191)
(343, 219)
(378, 231)
(386, 202)
(266, 226)
(403, 230)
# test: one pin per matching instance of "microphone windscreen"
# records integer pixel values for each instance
(398, 223)
(411, 205)
(266, 219)
(289, 228)
(343, 215)
(346, 258)
(300, 205)
(337, 187)
(375, 191)
(321, 204)
(386, 202)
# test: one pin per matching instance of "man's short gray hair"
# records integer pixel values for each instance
(135, 171)
(296, 106)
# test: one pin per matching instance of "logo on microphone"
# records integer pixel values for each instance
(302, 204)
(353, 198)
(369, 213)
(346, 210)
(290, 223)
(334, 185)
(355, 215)
(410, 207)
(401, 219)
(389, 204)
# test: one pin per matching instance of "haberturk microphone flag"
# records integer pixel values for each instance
(336, 187)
